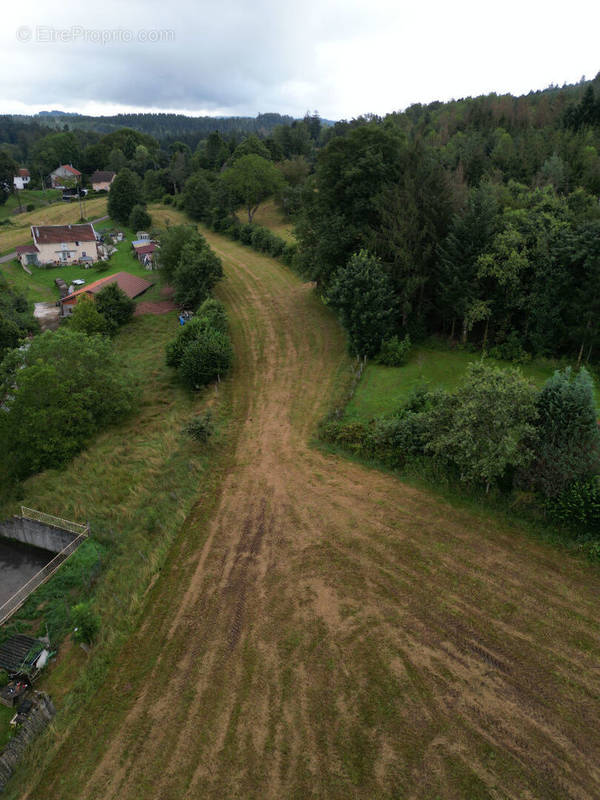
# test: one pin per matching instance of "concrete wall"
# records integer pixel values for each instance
(36, 533)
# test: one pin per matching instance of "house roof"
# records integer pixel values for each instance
(68, 168)
(23, 173)
(26, 248)
(145, 248)
(55, 234)
(103, 176)
(130, 284)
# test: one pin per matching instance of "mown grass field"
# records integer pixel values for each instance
(270, 216)
(382, 390)
(325, 630)
(18, 232)
(35, 197)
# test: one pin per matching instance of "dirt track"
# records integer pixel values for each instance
(334, 633)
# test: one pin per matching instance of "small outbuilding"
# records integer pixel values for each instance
(132, 285)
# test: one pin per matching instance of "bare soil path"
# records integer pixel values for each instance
(333, 633)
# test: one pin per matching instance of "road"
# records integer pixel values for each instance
(336, 633)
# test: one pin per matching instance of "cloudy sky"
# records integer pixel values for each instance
(223, 57)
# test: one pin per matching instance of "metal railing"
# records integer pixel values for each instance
(16, 601)
(40, 516)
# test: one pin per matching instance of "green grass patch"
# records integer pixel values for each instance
(27, 197)
(6, 730)
(383, 389)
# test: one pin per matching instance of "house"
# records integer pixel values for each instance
(65, 176)
(130, 284)
(64, 244)
(21, 179)
(101, 180)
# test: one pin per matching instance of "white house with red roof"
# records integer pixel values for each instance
(60, 244)
(65, 176)
(22, 178)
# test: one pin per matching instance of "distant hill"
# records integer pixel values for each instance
(162, 125)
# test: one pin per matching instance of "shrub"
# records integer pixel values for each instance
(394, 352)
(510, 350)
(200, 428)
(86, 623)
(167, 199)
(115, 305)
(191, 331)
(578, 506)
(206, 358)
(213, 314)
(30, 206)
(139, 219)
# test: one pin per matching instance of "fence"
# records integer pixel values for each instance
(57, 522)
(16, 601)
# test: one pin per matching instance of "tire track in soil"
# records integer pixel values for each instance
(336, 633)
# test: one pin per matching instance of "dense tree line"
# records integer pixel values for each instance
(484, 234)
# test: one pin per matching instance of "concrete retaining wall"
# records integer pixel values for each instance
(36, 533)
(37, 720)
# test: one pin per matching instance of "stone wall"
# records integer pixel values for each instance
(38, 718)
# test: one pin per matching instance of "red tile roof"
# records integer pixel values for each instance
(55, 234)
(69, 168)
(143, 249)
(26, 248)
(130, 284)
(23, 173)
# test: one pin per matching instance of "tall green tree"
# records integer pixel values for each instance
(361, 293)
(251, 179)
(125, 193)
(567, 441)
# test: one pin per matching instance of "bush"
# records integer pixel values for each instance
(510, 350)
(189, 333)
(167, 200)
(200, 428)
(578, 506)
(115, 305)
(206, 358)
(212, 313)
(139, 219)
(394, 352)
(86, 623)
(30, 206)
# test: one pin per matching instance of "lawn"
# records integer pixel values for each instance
(383, 389)
(18, 231)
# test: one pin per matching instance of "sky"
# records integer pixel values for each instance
(244, 57)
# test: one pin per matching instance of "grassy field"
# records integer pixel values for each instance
(382, 390)
(136, 484)
(270, 216)
(18, 232)
(35, 197)
(324, 630)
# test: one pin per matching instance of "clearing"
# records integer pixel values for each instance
(329, 632)
(382, 390)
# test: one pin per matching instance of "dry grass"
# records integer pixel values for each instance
(270, 216)
(329, 632)
(18, 232)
